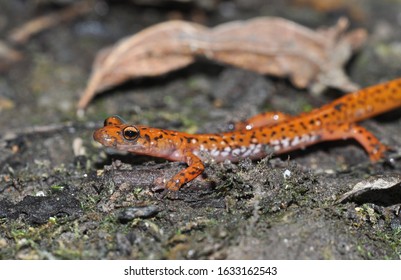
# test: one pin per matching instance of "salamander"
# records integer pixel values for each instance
(264, 134)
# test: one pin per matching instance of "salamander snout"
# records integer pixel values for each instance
(104, 137)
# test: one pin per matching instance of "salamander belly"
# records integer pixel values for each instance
(258, 148)
(234, 154)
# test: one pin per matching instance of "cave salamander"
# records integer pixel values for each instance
(264, 134)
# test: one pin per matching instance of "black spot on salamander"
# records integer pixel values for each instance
(378, 91)
(158, 137)
(361, 101)
(273, 133)
(349, 98)
(338, 106)
(378, 100)
(189, 139)
(147, 137)
(212, 139)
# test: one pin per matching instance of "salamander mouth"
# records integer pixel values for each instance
(104, 138)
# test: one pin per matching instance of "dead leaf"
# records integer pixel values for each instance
(153, 51)
(267, 45)
(381, 190)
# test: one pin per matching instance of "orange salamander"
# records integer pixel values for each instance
(264, 134)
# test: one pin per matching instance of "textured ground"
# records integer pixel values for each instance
(63, 196)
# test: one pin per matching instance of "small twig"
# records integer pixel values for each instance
(10, 134)
(23, 33)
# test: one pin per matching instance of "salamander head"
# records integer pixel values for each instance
(113, 121)
(116, 133)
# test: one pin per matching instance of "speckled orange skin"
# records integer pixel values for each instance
(259, 136)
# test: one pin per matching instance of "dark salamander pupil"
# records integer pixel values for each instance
(131, 133)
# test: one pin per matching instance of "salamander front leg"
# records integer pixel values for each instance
(259, 120)
(194, 169)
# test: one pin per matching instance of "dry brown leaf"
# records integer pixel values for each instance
(267, 45)
(153, 51)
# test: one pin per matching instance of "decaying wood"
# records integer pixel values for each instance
(267, 45)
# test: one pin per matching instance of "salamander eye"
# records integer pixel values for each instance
(107, 122)
(131, 133)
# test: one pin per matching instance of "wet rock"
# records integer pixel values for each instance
(38, 209)
(131, 213)
(380, 190)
